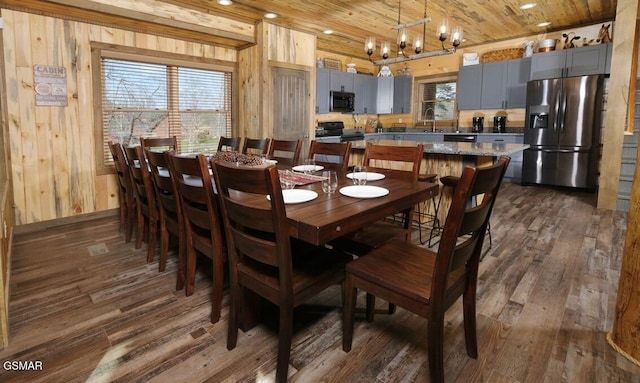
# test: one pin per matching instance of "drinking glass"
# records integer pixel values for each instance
(329, 181)
(286, 181)
(359, 175)
(309, 165)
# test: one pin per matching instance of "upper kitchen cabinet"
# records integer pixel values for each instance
(384, 102)
(581, 61)
(469, 88)
(341, 81)
(322, 90)
(402, 93)
(366, 89)
(504, 84)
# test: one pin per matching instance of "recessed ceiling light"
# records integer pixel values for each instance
(224, 2)
(328, 32)
(545, 24)
(270, 15)
(528, 6)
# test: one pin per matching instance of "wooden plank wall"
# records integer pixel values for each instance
(275, 46)
(53, 160)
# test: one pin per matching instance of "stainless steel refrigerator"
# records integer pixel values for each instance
(562, 127)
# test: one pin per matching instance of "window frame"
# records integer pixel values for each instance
(444, 78)
(101, 50)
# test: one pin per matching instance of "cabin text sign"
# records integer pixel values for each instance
(50, 85)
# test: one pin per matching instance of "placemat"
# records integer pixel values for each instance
(299, 178)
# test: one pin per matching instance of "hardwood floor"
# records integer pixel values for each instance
(91, 309)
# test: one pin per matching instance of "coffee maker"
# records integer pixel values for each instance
(478, 124)
(499, 124)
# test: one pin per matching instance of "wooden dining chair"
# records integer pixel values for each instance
(256, 146)
(147, 211)
(262, 256)
(285, 152)
(427, 283)
(169, 208)
(202, 223)
(160, 144)
(229, 144)
(126, 195)
(331, 155)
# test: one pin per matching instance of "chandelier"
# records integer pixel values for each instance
(443, 33)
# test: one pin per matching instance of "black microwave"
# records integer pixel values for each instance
(341, 101)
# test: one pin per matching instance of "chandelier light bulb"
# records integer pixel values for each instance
(417, 44)
(402, 38)
(456, 36)
(385, 48)
(370, 45)
(443, 30)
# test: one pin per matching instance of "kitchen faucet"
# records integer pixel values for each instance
(433, 119)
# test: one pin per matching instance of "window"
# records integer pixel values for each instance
(436, 102)
(156, 99)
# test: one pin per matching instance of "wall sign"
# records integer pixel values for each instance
(50, 85)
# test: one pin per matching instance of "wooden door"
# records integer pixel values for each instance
(291, 100)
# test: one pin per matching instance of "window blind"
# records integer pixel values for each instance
(142, 99)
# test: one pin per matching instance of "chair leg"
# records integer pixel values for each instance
(435, 334)
(131, 218)
(285, 334)
(190, 272)
(164, 247)
(370, 307)
(234, 307)
(140, 231)
(182, 264)
(153, 233)
(469, 315)
(218, 279)
(349, 309)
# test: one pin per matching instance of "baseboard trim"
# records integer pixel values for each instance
(39, 226)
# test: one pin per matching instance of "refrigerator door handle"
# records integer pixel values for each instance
(563, 116)
(557, 111)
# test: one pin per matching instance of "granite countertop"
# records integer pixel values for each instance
(456, 148)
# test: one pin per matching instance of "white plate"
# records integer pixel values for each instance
(370, 176)
(364, 191)
(302, 168)
(297, 195)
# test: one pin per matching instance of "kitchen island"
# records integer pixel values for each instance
(446, 158)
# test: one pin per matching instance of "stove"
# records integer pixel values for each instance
(336, 129)
(330, 128)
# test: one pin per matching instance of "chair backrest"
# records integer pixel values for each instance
(256, 227)
(396, 161)
(256, 146)
(199, 203)
(229, 144)
(331, 155)
(281, 147)
(161, 143)
(141, 181)
(464, 230)
(165, 188)
(121, 166)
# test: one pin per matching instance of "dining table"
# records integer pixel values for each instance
(333, 215)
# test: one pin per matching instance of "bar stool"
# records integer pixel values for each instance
(421, 211)
(436, 230)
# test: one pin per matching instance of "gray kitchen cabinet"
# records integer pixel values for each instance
(402, 89)
(384, 98)
(469, 87)
(607, 65)
(340, 81)
(504, 84)
(322, 90)
(569, 62)
(514, 171)
(366, 90)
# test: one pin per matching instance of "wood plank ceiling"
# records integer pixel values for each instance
(351, 21)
